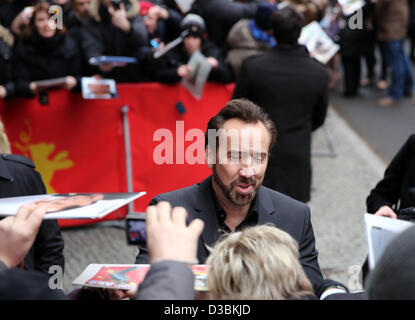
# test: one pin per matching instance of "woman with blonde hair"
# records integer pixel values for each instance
(261, 262)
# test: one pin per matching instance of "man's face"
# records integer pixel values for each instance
(150, 21)
(240, 167)
(82, 7)
(192, 44)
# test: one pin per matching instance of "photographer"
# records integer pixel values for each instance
(396, 191)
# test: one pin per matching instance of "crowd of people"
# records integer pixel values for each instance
(257, 197)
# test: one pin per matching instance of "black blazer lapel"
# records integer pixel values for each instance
(266, 208)
(206, 211)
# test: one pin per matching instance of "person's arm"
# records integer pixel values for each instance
(387, 191)
(17, 233)
(173, 248)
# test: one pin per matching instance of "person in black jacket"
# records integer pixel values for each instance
(7, 87)
(45, 53)
(293, 89)
(18, 178)
(221, 15)
(173, 67)
(397, 188)
(115, 32)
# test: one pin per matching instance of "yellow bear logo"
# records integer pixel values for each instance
(41, 153)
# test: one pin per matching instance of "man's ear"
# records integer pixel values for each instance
(210, 157)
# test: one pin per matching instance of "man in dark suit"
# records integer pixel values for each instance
(293, 89)
(233, 198)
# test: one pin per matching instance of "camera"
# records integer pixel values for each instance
(116, 4)
(136, 229)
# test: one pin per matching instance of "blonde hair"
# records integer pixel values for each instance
(261, 262)
(4, 141)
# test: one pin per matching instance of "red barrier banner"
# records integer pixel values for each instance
(78, 145)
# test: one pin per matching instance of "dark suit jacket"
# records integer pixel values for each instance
(285, 213)
(18, 178)
(398, 180)
(293, 89)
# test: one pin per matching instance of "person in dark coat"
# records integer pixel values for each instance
(7, 87)
(173, 67)
(162, 24)
(392, 20)
(397, 188)
(18, 178)
(45, 53)
(16, 14)
(221, 15)
(74, 22)
(111, 32)
(293, 89)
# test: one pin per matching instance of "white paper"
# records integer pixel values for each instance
(94, 210)
(380, 231)
(201, 69)
(98, 88)
(129, 276)
(351, 6)
(318, 43)
(184, 5)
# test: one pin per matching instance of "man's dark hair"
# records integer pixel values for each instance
(246, 111)
(286, 25)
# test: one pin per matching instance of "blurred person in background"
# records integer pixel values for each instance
(7, 87)
(249, 37)
(257, 263)
(16, 14)
(392, 20)
(173, 66)
(221, 15)
(74, 23)
(396, 190)
(293, 89)
(115, 32)
(45, 53)
(162, 24)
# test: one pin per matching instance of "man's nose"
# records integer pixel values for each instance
(247, 172)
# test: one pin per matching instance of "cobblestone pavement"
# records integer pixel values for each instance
(340, 187)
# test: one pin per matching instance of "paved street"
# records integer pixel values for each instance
(340, 187)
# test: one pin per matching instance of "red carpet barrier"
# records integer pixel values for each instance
(78, 145)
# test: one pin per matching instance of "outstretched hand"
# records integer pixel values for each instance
(17, 233)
